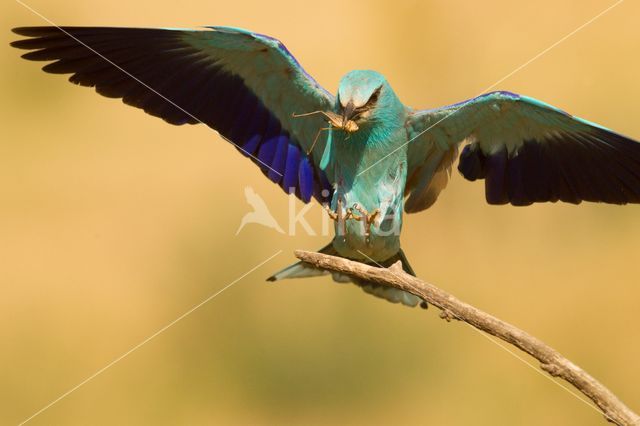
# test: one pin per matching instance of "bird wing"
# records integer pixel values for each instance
(244, 85)
(525, 150)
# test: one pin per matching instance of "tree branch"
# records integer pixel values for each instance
(551, 360)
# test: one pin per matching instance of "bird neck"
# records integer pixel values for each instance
(373, 147)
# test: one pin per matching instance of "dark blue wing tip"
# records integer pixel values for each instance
(472, 162)
(595, 166)
(208, 91)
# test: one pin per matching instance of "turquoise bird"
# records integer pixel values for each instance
(362, 153)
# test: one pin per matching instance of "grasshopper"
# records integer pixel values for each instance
(334, 120)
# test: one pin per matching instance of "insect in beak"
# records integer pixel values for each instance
(339, 122)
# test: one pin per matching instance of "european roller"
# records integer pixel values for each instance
(362, 153)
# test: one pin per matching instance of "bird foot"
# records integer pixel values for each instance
(369, 218)
(356, 212)
(334, 215)
(365, 216)
(340, 216)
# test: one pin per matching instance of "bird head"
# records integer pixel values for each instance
(363, 96)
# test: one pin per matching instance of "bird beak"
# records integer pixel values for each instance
(347, 113)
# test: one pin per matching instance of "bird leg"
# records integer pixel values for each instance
(350, 213)
(333, 215)
(340, 216)
(365, 216)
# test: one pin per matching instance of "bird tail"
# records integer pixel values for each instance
(304, 270)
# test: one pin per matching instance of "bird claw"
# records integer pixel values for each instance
(365, 216)
(332, 214)
(349, 213)
(339, 216)
(356, 212)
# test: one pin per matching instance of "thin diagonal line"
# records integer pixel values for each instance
(26, 6)
(507, 349)
(136, 347)
(554, 45)
(496, 83)
(533, 367)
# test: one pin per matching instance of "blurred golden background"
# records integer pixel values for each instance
(114, 223)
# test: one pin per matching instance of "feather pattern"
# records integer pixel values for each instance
(526, 151)
(244, 85)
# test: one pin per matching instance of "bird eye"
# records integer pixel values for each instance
(374, 96)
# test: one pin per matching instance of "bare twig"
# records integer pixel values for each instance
(551, 360)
